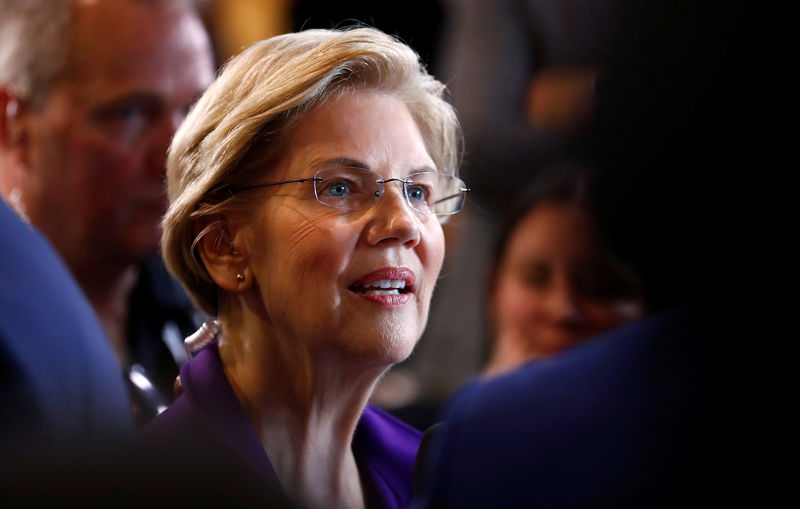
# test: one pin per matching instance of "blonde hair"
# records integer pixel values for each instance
(252, 105)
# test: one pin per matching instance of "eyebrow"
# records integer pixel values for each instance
(341, 161)
(355, 163)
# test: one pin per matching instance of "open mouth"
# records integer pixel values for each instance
(385, 283)
(382, 287)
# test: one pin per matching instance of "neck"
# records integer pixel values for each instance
(304, 402)
(108, 290)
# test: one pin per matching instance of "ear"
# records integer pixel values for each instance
(13, 140)
(225, 257)
(12, 110)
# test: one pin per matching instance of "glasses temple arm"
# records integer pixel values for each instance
(463, 191)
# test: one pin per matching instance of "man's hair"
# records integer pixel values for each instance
(240, 126)
(35, 45)
(34, 38)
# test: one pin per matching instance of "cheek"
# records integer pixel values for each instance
(305, 252)
(108, 163)
(82, 172)
(515, 303)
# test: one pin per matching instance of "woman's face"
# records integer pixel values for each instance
(555, 285)
(316, 267)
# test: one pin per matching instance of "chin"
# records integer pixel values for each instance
(383, 349)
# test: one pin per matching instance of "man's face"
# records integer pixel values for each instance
(97, 148)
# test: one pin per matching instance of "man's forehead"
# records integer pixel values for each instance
(119, 29)
(139, 40)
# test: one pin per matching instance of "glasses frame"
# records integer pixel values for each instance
(378, 193)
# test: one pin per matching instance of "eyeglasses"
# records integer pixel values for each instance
(429, 192)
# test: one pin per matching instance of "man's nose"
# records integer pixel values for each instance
(162, 137)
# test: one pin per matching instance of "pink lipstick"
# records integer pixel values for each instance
(391, 286)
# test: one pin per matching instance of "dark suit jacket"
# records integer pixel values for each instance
(621, 420)
(61, 392)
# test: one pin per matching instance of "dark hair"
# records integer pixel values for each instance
(568, 182)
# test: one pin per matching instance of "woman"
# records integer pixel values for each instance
(554, 283)
(307, 189)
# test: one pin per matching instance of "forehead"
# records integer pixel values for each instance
(371, 127)
(138, 42)
(555, 229)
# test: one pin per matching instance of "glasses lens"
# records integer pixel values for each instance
(428, 192)
(436, 193)
(346, 188)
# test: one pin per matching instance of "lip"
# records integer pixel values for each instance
(394, 273)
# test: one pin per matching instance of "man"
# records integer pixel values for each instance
(91, 93)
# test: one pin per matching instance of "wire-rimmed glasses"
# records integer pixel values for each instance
(349, 188)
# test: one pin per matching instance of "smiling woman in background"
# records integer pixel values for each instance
(554, 282)
(307, 190)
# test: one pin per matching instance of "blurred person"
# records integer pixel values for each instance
(307, 189)
(91, 93)
(553, 282)
(522, 77)
(61, 392)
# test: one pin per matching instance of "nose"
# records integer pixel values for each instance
(563, 305)
(161, 138)
(392, 219)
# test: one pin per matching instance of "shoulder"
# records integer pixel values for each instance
(650, 349)
(386, 449)
(204, 388)
(610, 417)
(52, 348)
(381, 428)
(205, 445)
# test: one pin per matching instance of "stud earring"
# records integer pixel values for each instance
(240, 277)
(233, 249)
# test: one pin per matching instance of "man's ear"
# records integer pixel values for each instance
(13, 141)
(225, 258)
(12, 109)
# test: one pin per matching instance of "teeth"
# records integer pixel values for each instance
(386, 284)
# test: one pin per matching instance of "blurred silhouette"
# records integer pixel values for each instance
(522, 76)
(62, 396)
(642, 416)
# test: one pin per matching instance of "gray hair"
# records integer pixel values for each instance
(249, 110)
(33, 45)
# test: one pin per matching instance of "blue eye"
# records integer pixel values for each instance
(337, 189)
(418, 193)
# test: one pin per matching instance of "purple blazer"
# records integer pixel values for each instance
(206, 437)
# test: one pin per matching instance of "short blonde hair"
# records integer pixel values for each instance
(256, 99)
